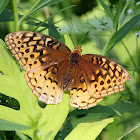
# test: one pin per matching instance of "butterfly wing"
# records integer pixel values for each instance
(47, 84)
(44, 59)
(80, 94)
(35, 51)
(97, 77)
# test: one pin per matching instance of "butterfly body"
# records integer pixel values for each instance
(51, 68)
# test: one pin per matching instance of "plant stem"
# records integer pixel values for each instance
(129, 131)
(15, 15)
(123, 11)
(3, 135)
(137, 53)
(29, 11)
(128, 53)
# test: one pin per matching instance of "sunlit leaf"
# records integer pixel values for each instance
(41, 121)
(88, 130)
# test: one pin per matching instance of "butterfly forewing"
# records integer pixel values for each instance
(35, 51)
(44, 59)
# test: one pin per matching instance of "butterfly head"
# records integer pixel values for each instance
(75, 54)
(77, 50)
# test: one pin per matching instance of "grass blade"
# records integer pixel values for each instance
(126, 28)
(132, 129)
(117, 14)
(107, 9)
(52, 16)
(44, 3)
(110, 44)
(3, 4)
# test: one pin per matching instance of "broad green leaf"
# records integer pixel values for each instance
(9, 126)
(88, 130)
(107, 9)
(91, 117)
(126, 28)
(43, 122)
(96, 109)
(3, 4)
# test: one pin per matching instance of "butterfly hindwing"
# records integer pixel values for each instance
(47, 84)
(80, 94)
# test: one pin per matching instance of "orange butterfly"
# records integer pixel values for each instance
(51, 68)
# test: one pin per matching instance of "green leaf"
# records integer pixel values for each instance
(43, 122)
(53, 31)
(9, 126)
(96, 109)
(44, 3)
(3, 4)
(126, 28)
(117, 14)
(68, 42)
(88, 130)
(52, 16)
(22, 136)
(111, 99)
(107, 9)
(36, 6)
(110, 44)
(6, 15)
(125, 107)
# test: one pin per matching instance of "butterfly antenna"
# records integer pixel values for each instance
(81, 41)
(74, 34)
(97, 33)
(83, 38)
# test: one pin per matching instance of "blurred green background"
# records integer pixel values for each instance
(91, 27)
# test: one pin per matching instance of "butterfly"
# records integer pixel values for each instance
(51, 68)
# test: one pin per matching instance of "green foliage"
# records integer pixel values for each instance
(3, 4)
(88, 131)
(9, 126)
(20, 110)
(13, 84)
